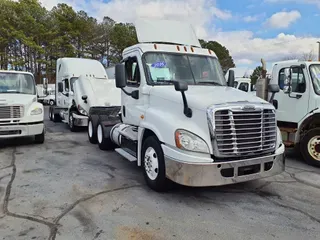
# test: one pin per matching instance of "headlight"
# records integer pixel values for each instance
(82, 111)
(188, 141)
(279, 138)
(36, 111)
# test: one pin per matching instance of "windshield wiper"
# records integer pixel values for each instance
(210, 83)
(164, 81)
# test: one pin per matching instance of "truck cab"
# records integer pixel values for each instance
(20, 113)
(79, 83)
(297, 106)
(244, 84)
(181, 121)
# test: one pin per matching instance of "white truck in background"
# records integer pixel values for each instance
(244, 84)
(81, 84)
(242, 79)
(180, 121)
(20, 113)
(297, 104)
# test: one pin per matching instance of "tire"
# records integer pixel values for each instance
(153, 165)
(310, 147)
(72, 127)
(50, 114)
(51, 103)
(39, 139)
(92, 130)
(104, 140)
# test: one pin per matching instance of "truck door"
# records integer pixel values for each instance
(133, 109)
(292, 107)
(65, 93)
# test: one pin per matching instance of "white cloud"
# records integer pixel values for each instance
(246, 49)
(243, 46)
(283, 19)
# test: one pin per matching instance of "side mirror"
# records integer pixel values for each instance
(273, 88)
(84, 97)
(60, 87)
(67, 94)
(231, 78)
(120, 75)
(180, 86)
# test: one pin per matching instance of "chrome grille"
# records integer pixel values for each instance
(9, 112)
(248, 132)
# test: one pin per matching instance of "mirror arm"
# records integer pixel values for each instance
(186, 110)
(129, 94)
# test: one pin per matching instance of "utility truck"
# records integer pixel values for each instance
(180, 121)
(80, 85)
(20, 113)
(297, 104)
(244, 84)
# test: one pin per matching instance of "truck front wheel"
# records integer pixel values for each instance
(73, 128)
(153, 164)
(92, 130)
(310, 147)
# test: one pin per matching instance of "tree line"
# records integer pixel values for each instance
(32, 38)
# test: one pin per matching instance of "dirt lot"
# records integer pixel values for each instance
(68, 189)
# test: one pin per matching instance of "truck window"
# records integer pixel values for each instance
(72, 81)
(66, 84)
(17, 83)
(315, 76)
(244, 86)
(298, 80)
(133, 72)
(163, 68)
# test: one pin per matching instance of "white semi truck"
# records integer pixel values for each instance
(297, 105)
(180, 121)
(20, 113)
(81, 84)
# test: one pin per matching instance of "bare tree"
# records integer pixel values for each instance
(308, 56)
(290, 57)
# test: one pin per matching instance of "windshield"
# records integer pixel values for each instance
(72, 81)
(315, 75)
(17, 83)
(163, 68)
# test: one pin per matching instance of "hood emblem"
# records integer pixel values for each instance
(248, 107)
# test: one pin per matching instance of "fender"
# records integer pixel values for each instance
(305, 121)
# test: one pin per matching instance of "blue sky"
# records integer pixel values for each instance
(250, 29)
(310, 16)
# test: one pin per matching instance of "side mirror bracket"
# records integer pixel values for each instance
(182, 87)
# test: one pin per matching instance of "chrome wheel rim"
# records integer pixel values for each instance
(314, 147)
(99, 133)
(90, 129)
(151, 163)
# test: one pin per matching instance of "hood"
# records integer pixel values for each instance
(105, 92)
(13, 98)
(202, 96)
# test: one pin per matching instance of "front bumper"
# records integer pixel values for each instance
(80, 120)
(223, 173)
(28, 129)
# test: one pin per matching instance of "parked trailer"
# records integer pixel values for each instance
(20, 112)
(180, 121)
(297, 105)
(81, 84)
